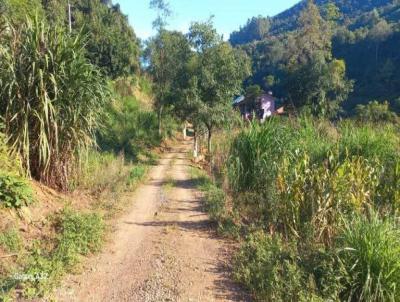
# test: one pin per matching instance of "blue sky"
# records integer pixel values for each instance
(229, 14)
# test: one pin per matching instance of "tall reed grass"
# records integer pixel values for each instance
(50, 98)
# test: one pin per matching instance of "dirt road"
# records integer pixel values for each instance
(164, 249)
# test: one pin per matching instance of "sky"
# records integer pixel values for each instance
(229, 14)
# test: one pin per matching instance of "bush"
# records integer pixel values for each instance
(79, 234)
(128, 129)
(369, 250)
(269, 268)
(215, 202)
(376, 112)
(14, 191)
(136, 174)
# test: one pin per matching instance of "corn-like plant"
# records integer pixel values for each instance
(50, 98)
(319, 195)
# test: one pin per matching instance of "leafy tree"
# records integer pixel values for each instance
(167, 54)
(112, 44)
(314, 79)
(376, 112)
(163, 12)
(379, 33)
(217, 76)
(256, 29)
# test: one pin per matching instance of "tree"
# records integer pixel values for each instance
(314, 79)
(112, 44)
(163, 10)
(379, 33)
(167, 54)
(218, 75)
(256, 29)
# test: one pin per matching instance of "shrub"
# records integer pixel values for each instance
(376, 112)
(79, 234)
(14, 191)
(128, 129)
(269, 268)
(215, 202)
(369, 250)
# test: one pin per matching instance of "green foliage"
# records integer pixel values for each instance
(136, 174)
(256, 28)
(15, 192)
(111, 42)
(17, 10)
(8, 161)
(375, 112)
(312, 185)
(167, 54)
(369, 253)
(314, 79)
(50, 98)
(79, 235)
(128, 129)
(10, 240)
(268, 267)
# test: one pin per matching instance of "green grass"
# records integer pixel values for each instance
(79, 235)
(11, 241)
(369, 250)
(214, 201)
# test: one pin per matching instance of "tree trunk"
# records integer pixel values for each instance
(160, 111)
(209, 140)
(196, 145)
(184, 130)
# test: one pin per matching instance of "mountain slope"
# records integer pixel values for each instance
(367, 37)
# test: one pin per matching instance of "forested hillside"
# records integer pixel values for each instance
(365, 35)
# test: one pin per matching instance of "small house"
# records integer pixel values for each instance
(261, 108)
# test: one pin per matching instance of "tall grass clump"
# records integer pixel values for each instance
(50, 98)
(369, 249)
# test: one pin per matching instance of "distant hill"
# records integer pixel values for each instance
(367, 38)
(353, 12)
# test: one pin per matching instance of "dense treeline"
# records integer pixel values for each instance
(365, 35)
(111, 42)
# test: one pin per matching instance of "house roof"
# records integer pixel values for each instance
(238, 100)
